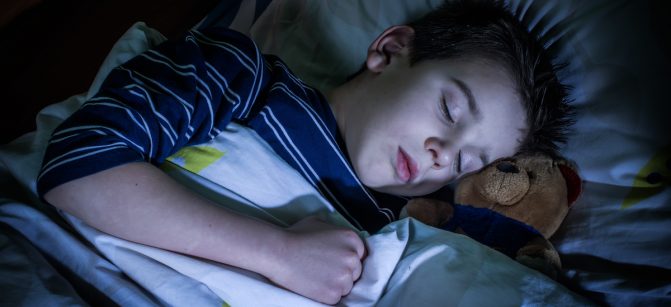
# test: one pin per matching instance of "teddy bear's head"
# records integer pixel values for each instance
(513, 205)
(534, 189)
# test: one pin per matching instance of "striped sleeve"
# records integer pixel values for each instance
(183, 92)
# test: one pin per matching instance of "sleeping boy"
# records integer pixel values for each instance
(436, 99)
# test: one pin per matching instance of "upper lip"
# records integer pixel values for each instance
(412, 165)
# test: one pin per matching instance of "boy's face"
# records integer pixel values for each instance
(410, 130)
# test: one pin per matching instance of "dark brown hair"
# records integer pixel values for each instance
(488, 30)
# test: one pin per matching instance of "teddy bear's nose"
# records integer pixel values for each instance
(507, 167)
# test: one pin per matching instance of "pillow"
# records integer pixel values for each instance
(324, 42)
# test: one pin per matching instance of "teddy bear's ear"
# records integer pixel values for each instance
(573, 183)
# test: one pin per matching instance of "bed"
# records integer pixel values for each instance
(615, 244)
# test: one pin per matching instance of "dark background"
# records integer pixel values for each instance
(52, 49)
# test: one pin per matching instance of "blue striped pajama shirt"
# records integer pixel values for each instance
(184, 92)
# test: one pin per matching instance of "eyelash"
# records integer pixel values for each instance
(446, 111)
(459, 162)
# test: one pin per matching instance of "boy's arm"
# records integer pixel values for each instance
(97, 165)
(180, 93)
(138, 202)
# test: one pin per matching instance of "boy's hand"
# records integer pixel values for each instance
(319, 260)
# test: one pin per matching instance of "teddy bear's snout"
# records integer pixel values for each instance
(504, 183)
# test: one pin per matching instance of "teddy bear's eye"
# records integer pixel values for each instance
(507, 167)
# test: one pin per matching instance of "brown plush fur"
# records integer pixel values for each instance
(532, 189)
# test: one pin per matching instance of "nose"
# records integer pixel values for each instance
(441, 154)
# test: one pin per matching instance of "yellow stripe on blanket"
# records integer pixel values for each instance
(196, 158)
(652, 179)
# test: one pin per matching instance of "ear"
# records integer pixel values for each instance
(393, 41)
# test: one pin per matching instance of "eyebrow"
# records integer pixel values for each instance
(472, 106)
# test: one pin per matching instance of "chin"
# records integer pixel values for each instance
(404, 190)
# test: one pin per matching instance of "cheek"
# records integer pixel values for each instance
(368, 154)
(409, 120)
(373, 173)
(431, 183)
(507, 144)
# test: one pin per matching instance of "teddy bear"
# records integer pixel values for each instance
(513, 205)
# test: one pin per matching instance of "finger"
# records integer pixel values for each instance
(359, 246)
(354, 265)
(365, 250)
(351, 241)
(357, 270)
(347, 288)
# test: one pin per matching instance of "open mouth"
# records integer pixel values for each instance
(406, 167)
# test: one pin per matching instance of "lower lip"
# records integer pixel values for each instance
(405, 169)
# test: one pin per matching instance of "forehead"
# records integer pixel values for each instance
(475, 70)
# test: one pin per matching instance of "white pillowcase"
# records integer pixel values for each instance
(323, 42)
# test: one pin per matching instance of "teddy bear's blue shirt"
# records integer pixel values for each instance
(491, 228)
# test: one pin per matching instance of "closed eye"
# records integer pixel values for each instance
(446, 111)
(458, 162)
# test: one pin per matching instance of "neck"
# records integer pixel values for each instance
(342, 99)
